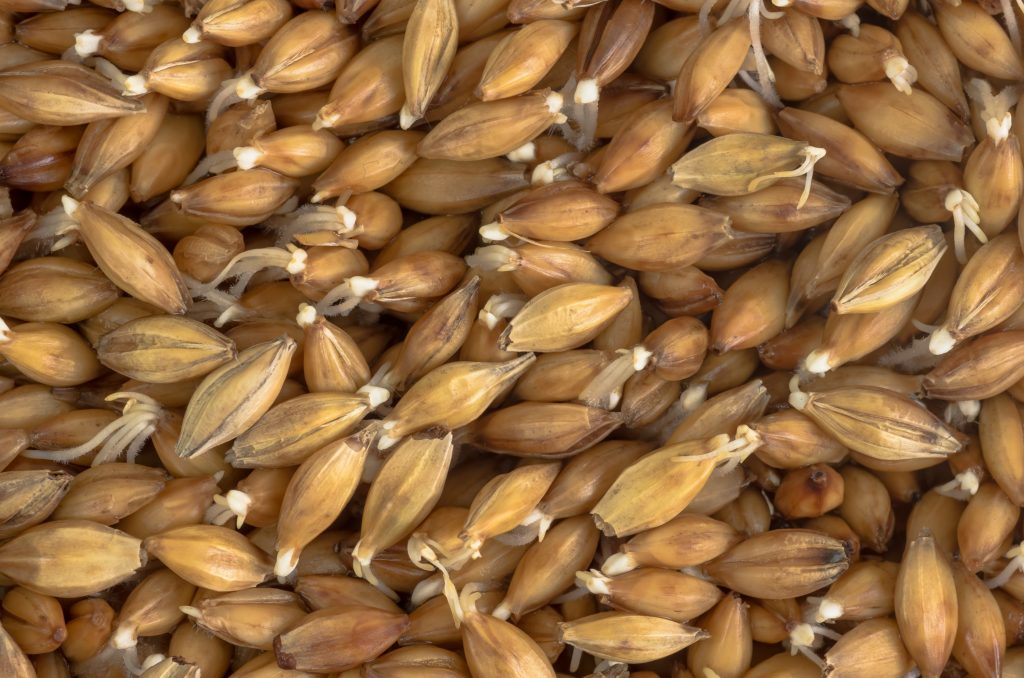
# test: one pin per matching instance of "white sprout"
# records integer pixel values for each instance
(218, 306)
(54, 230)
(850, 22)
(559, 168)
(811, 155)
(130, 656)
(128, 433)
(1016, 564)
(406, 119)
(541, 519)
(595, 582)
(797, 398)
(993, 108)
(803, 638)
(140, 6)
(733, 452)
(340, 221)
(246, 88)
(962, 487)
(966, 217)
(424, 553)
(900, 73)
(494, 258)
(695, 394)
(192, 36)
(245, 265)
(962, 412)
(215, 163)
(494, 232)
(605, 389)
(818, 362)
(915, 357)
(500, 307)
(618, 563)
(827, 609)
(111, 72)
(233, 504)
(525, 153)
(225, 97)
(247, 157)
(755, 10)
(580, 126)
(342, 299)
(87, 43)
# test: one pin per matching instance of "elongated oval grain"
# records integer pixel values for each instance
(71, 558)
(878, 423)
(164, 349)
(61, 93)
(889, 270)
(133, 259)
(231, 398)
(926, 604)
(564, 317)
(781, 563)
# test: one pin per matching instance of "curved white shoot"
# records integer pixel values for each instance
(595, 582)
(314, 218)
(558, 168)
(500, 307)
(423, 552)
(247, 157)
(605, 389)
(245, 265)
(306, 316)
(962, 487)
(56, 229)
(803, 638)
(542, 520)
(126, 434)
(234, 505)
(361, 567)
(1015, 565)
(811, 155)
(225, 97)
(765, 75)
(215, 163)
(695, 395)
(900, 73)
(966, 217)
(345, 297)
(494, 258)
(733, 452)
(797, 398)
(110, 71)
(994, 109)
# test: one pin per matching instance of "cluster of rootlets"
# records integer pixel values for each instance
(511, 339)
